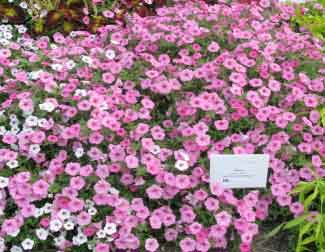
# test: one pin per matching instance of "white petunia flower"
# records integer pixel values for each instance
(62, 85)
(16, 249)
(23, 5)
(34, 75)
(14, 122)
(89, 203)
(113, 190)
(22, 29)
(47, 208)
(14, 130)
(73, 34)
(110, 228)
(53, 46)
(31, 121)
(70, 64)
(101, 234)
(4, 182)
(34, 149)
(82, 238)
(181, 165)
(79, 239)
(14, 71)
(103, 106)
(64, 214)
(92, 211)
(155, 150)
(4, 41)
(69, 225)
(114, 42)
(42, 234)
(7, 36)
(42, 122)
(14, 234)
(86, 59)
(2, 130)
(47, 106)
(38, 212)
(80, 92)
(27, 244)
(110, 54)
(55, 225)
(58, 240)
(79, 152)
(12, 164)
(12, 117)
(90, 247)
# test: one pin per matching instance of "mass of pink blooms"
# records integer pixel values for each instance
(105, 139)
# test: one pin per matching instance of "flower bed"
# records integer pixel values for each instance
(106, 139)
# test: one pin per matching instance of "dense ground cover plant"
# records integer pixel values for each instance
(50, 16)
(105, 139)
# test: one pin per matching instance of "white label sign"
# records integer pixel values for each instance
(239, 171)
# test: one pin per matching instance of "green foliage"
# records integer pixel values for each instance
(241, 126)
(313, 19)
(310, 226)
(322, 115)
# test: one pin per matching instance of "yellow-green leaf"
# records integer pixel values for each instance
(39, 26)
(295, 222)
(303, 187)
(308, 240)
(310, 199)
(322, 115)
(68, 26)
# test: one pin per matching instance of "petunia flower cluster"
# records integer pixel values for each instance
(105, 139)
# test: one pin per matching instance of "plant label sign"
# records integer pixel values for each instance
(239, 171)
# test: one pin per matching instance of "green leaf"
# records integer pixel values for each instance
(303, 187)
(296, 222)
(306, 228)
(141, 171)
(310, 199)
(75, 2)
(318, 231)
(322, 115)
(308, 240)
(39, 26)
(275, 231)
(68, 26)
(54, 188)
